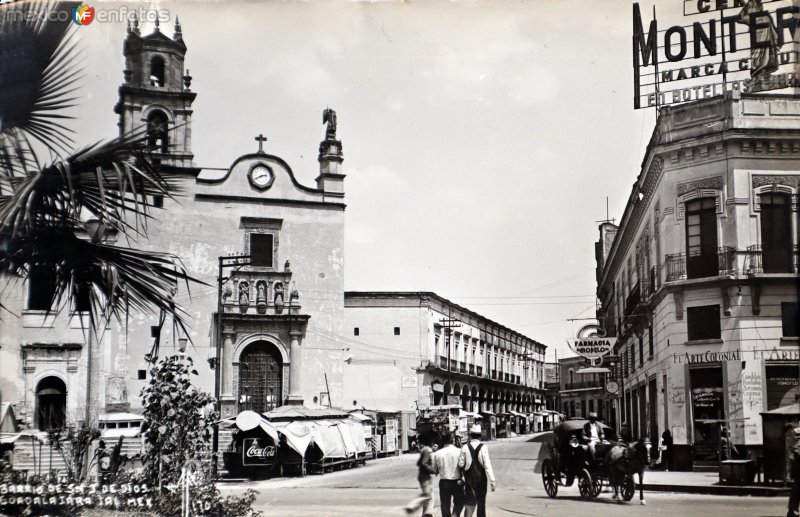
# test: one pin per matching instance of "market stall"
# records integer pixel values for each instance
(295, 440)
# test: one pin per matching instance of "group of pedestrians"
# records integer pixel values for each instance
(465, 477)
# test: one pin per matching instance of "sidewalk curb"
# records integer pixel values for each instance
(753, 491)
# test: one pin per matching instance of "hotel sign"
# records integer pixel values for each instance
(722, 45)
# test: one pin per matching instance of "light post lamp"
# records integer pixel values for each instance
(228, 262)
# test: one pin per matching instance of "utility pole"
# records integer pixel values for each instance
(449, 324)
(231, 261)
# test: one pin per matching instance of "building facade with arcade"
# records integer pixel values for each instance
(699, 281)
(413, 350)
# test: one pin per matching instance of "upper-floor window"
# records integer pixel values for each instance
(262, 249)
(157, 71)
(701, 238)
(790, 317)
(776, 233)
(703, 322)
(41, 288)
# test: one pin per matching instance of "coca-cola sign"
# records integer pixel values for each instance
(260, 452)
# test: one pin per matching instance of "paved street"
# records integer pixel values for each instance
(383, 487)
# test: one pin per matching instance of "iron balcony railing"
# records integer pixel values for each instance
(472, 369)
(479, 371)
(583, 385)
(462, 367)
(760, 260)
(699, 265)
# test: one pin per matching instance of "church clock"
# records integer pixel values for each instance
(261, 176)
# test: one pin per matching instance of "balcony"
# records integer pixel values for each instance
(699, 265)
(583, 385)
(462, 367)
(251, 291)
(771, 261)
(494, 374)
(472, 369)
(479, 371)
(443, 362)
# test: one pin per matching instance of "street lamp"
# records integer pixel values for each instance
(182, 344)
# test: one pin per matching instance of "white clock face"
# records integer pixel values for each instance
(261, 176)
(612, 387)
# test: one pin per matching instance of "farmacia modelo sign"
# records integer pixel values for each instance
(728, 45)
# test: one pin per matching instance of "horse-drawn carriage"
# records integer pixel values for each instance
(566, 459)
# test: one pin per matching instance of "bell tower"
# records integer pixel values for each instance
(156, 94)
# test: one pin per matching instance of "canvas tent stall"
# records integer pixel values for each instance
(295, 440)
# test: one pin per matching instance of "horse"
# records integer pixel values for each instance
(626, 459)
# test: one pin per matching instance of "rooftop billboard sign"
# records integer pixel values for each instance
(723, 45)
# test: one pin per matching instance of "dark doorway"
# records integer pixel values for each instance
(51, 403)
(260, 378)
(701, 238)
(708, 412)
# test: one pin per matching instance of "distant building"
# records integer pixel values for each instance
(700, 281)
(410, 350)
(583, 393)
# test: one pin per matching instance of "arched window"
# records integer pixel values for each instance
(260, 378)
(51, 403)
(157, 134)
(776, 233)
(157, 76)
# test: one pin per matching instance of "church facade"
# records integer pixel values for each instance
(277, 344)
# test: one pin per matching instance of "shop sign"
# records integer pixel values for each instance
(591, 343)
(710, 356)
(259, 452)
(723, 45)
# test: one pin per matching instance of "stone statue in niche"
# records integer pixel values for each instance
(244, 295)
(278, 298)
(261, 297)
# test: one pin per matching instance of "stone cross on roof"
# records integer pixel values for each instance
(261, 139)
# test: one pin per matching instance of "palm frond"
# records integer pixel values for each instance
(38, 72)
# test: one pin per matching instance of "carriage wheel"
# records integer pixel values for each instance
(585, 485)
(549, 479)
(597, 487)
(628, 487)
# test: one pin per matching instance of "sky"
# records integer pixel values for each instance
(481, 139)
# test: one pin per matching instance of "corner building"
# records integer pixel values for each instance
(699, 282)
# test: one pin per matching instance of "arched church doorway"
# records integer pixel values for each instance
(260, 378)
(51, 403)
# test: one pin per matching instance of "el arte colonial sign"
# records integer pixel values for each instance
(723, 45)
(707, 357)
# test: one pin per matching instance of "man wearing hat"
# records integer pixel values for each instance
(478, 473)
(794, 457)
(592, 433)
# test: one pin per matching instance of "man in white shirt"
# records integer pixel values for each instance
(478, 473)
(451, 486)
(593, 433)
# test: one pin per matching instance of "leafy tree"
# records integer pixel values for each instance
(177, 420)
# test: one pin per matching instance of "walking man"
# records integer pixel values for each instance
(426, 470)
(451, 486)
(478, 473)
(794, 457)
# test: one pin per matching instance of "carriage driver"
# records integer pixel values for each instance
(592, 433)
